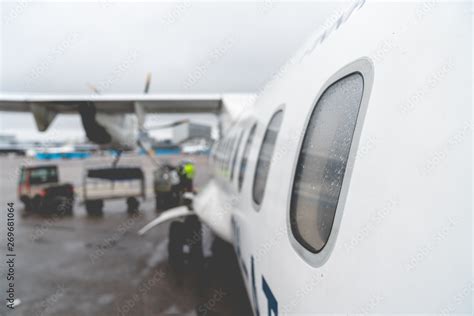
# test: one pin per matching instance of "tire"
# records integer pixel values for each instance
(95, 208)
(132, 206)
(53, 205)
(36, 202)
(63, 206)
(194, 241)
(27, 204)
(175, 246)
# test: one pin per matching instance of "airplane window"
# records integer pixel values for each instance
(229, 155)
(234, 158)
(224, 150)
(322, 162)
(217, 152)
(243, 163)
(218, 155)
(265, 157)
(228, 150)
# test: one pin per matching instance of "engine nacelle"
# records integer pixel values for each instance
(119, 131)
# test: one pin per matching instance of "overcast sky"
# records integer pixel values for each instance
(63, 47)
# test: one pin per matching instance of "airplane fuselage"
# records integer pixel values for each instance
(346, 187)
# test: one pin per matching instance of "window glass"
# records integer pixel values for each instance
(229, 155)
(22, 176)
(43, 175)
(234, 158)
(243, 163)
(322, 162)
(222, 160)
(218, 155)
(265, 157)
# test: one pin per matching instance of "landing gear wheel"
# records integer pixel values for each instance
(94, 208)
(194, 242)
(175, 246)
(132, 206)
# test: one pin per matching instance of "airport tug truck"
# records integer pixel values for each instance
(101, 184)
(40, 191)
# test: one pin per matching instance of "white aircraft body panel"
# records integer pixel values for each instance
(402, 234)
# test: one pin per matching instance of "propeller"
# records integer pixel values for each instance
(147, 83)
(144, 140)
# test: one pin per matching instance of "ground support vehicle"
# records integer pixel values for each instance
(100, 184)
(40, 191)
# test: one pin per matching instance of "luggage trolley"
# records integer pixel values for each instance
(100, 184)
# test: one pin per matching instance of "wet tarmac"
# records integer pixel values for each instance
(100, 266)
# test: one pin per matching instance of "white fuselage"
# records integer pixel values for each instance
(402, 234)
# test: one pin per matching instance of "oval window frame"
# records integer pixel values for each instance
(365, 68)
(279, 109)
(241, 174)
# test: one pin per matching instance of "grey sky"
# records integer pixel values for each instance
(61, 47)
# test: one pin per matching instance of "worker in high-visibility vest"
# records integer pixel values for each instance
(187, 171)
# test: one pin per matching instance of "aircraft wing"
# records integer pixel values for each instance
(121, 103)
